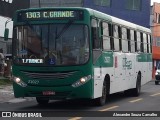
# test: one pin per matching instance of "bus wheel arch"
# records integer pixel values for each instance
(105, 92)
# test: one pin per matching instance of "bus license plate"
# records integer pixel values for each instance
(48, 93)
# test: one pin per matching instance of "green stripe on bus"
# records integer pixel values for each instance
(143, 57)
(105, 60)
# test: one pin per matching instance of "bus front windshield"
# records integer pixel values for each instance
(51, 44)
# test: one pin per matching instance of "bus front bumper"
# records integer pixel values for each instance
(62, 92)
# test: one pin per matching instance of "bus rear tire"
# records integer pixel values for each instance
(42, 101)
(102, 100)
(136, 91)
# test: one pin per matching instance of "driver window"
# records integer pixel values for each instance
(95, 28)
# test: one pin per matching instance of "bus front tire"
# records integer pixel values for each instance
(42, 101)
(102, 100)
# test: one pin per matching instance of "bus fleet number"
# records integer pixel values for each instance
(33, 15)
(35, 82)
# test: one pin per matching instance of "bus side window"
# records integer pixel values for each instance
(129, 39)
(149, 44)
(106, 36)
(124, 40)
(138, 42)
(116, 38)
(135, 40)
(145, 42)
(120, 37)
(95, 34)
(132, 41)
(142, 42)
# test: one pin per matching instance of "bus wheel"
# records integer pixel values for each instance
(136, 91)
(42, 101)
(102, 100)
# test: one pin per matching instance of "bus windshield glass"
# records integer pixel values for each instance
(51, 44)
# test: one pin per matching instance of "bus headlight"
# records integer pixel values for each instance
(19, 82)
(81, 81)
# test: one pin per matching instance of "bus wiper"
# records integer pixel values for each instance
(64, 29)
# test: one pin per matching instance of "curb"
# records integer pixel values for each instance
(16, 100)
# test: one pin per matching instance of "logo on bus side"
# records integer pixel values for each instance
(127, 64)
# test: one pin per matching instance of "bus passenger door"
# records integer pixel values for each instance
(97, 53)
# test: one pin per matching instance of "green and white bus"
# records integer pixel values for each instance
(72, 53)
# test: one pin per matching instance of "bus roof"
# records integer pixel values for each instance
(100, 15)
(118, 20)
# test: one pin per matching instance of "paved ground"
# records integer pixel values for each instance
(6, 93)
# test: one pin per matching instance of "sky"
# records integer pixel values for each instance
(158, 1)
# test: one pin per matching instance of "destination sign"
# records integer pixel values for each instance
(50, 15)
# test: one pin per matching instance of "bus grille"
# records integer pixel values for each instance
(51, 75)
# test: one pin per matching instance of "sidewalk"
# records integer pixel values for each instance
(6, 93)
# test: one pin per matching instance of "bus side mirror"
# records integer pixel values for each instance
(6, 33)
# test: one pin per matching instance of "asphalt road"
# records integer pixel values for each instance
(118, 104)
